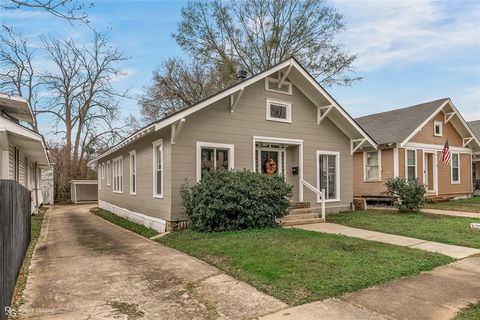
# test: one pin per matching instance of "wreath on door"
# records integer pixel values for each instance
(270, 167)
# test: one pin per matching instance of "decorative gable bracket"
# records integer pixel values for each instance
(322, 113)
(448, 116)
(466, 141)
(281, 78)
(176, 128)
(356, 144)
(234, 100)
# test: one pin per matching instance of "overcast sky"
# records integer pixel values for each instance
(409, 51)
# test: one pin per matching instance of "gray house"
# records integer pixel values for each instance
(280, 116)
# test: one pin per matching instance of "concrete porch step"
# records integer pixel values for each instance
(298, 222)
(300, 216)
(302, 211)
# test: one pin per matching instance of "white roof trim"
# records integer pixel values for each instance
(448, 101)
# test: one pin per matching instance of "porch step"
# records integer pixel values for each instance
(300, 216)
(287, 223)
(438, 198)
(299, 205)
(301, 211)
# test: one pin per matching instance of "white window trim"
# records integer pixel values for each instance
(435, 124)
(155, 144)
(289, 111)
(103, 171)
(99, 177)
(120, 190)
(406, 163)
(109, 173)
(267, 79)
(132, 153)
(337, 174)
(231, 155)
(451, 169)
(379, 166)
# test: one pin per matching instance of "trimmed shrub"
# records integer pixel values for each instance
(476, 184)
(408, 195)
(234, 200)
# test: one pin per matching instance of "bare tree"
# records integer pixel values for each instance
(176, 84)
(82, 100)
(17, 74)
(70, 10)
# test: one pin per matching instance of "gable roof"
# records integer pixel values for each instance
(296, 74)
(16, 107)
(395, 126)
(475, 126)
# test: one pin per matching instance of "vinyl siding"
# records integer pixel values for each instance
(425, 135)
(372, 188)
(143, 201)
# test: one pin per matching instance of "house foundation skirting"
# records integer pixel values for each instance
(150, 222)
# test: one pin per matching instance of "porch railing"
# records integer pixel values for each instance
(319, 193)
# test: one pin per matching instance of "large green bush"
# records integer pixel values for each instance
(409, 194)
(235, 200)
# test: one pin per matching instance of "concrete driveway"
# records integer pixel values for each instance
(86, 268)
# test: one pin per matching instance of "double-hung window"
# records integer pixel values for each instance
(212, 156)
(118, 175)
(437, 128)
(411, 165)
(328, 174)
(109, 173)
(158, 168)
(455, 168)
(372, 160)
(133, 172)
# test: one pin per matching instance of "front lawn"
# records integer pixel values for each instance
(299, 266)
(469, 205)
(438, 228)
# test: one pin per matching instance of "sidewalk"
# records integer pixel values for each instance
(453, 213)
(453, 251)
(437, 294)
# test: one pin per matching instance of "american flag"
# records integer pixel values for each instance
(447, 155)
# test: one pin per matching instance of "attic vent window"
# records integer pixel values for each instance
(279, 111)
(271, 84)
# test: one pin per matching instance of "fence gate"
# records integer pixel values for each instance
(15, 226)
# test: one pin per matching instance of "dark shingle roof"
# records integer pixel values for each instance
(396, 125)
(475, 126)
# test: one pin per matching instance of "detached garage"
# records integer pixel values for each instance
(83, 191)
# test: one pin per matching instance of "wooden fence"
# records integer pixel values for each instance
(15, 223)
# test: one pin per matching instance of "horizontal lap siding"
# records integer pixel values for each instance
(217, 125)
(445, 187)
(143, 201)
(371, 188)
(425, 135)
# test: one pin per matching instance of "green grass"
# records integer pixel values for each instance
(124, 223)
(469, 205)
(300, 266)
(438, 228)
(472, 312)
(36, 227)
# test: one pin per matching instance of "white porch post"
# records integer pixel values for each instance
(323, 204)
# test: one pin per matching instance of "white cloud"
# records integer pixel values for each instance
(402, 32)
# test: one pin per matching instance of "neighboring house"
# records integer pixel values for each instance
(22, 151)
(410, 143)
(281, 114)
(475, 126)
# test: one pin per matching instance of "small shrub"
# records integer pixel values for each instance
(476, 184)
(234, 200)
(408, 195)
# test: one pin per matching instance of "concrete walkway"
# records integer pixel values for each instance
(436, 295)
(453, 213)
(456, 252)
(87, 268)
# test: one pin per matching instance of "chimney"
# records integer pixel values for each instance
(242, 75)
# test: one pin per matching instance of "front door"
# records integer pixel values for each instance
(270, 160)
(429, 171)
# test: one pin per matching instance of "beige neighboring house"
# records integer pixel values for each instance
(475, 126)
(281, 114)
(410, 143)
(22, 151)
